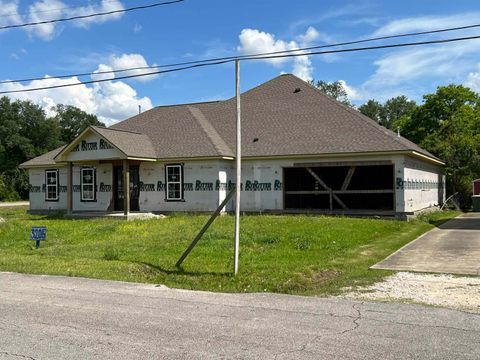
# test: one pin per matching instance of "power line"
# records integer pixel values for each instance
(436, 31)
(387, 46)
(119, 78)
(52, 10)
(78, 17)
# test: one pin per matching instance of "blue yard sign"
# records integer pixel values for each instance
(38, 233)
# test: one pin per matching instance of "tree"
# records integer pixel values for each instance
(373, 109)
(437, 108)
(396, 108)
(448, 125)
(389, 113)
(26, 132)
(73, 121)
(334, 89)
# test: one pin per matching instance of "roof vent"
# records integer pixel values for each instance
(297, 90)
(255, 140)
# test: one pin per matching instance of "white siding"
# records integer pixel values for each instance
(206, 184)
(200, 193)
(423, 183)
(37, 190)
(104, 173)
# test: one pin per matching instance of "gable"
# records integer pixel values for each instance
(90, 146)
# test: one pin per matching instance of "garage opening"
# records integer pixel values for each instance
(340, 187)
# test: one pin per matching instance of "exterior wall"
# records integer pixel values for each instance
(104, 192)
(422, 184)
(418, 185)
(200, 187)
(37, 189)
(104, 181)
(267, 194)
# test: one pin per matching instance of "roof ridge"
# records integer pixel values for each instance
(187, 104)
(217, 141)
(260, 85)
(121, 130)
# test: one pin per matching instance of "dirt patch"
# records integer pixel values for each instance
(322, 276)
(462, 293)
(310, 280)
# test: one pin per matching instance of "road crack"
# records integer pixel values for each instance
(17, 355)
(356, 323)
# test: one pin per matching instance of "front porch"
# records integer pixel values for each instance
(123, 193)
(102, 172)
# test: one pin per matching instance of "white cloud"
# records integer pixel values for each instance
(425, 23)
(137, 28)
(302, 67)
(45, 10)
(9, 14)
(102, 68)
(352, 93)
(253, 41)
(473, 80)
(103, 6)
(411, 71)
(313, 35)
(126, 61)
(111, 101)
(116, 100)
(80, 96)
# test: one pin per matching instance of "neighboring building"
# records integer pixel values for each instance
(302, 151)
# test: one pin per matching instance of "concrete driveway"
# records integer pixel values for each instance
(55, 317)
(453, 247)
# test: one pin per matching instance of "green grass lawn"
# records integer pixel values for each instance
(297, 254)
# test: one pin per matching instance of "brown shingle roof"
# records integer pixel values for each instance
(132, 144)
(286, 116)
(45, 159)
(284, 120)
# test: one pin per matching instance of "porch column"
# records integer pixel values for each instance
(126, 187)
(69, 187)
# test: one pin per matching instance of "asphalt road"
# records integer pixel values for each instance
(46, 317)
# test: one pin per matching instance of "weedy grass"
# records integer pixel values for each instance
(294, 254)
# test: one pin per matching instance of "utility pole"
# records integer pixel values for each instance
(239, 168)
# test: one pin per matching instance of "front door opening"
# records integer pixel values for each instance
(118, 188)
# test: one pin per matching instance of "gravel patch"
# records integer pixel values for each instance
(461, 293)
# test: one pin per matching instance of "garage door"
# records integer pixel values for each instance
(343, 187)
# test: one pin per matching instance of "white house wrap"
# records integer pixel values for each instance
(302, 152)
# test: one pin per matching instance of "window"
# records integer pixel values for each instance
(51, 185)
(88, 191)
(174, 180)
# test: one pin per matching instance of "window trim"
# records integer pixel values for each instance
(57, 184)
(94, 184)
(167, 198)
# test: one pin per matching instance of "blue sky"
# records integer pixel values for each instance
(211, 28)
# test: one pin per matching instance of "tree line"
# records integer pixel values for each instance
(446, 123)
(26, 132)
